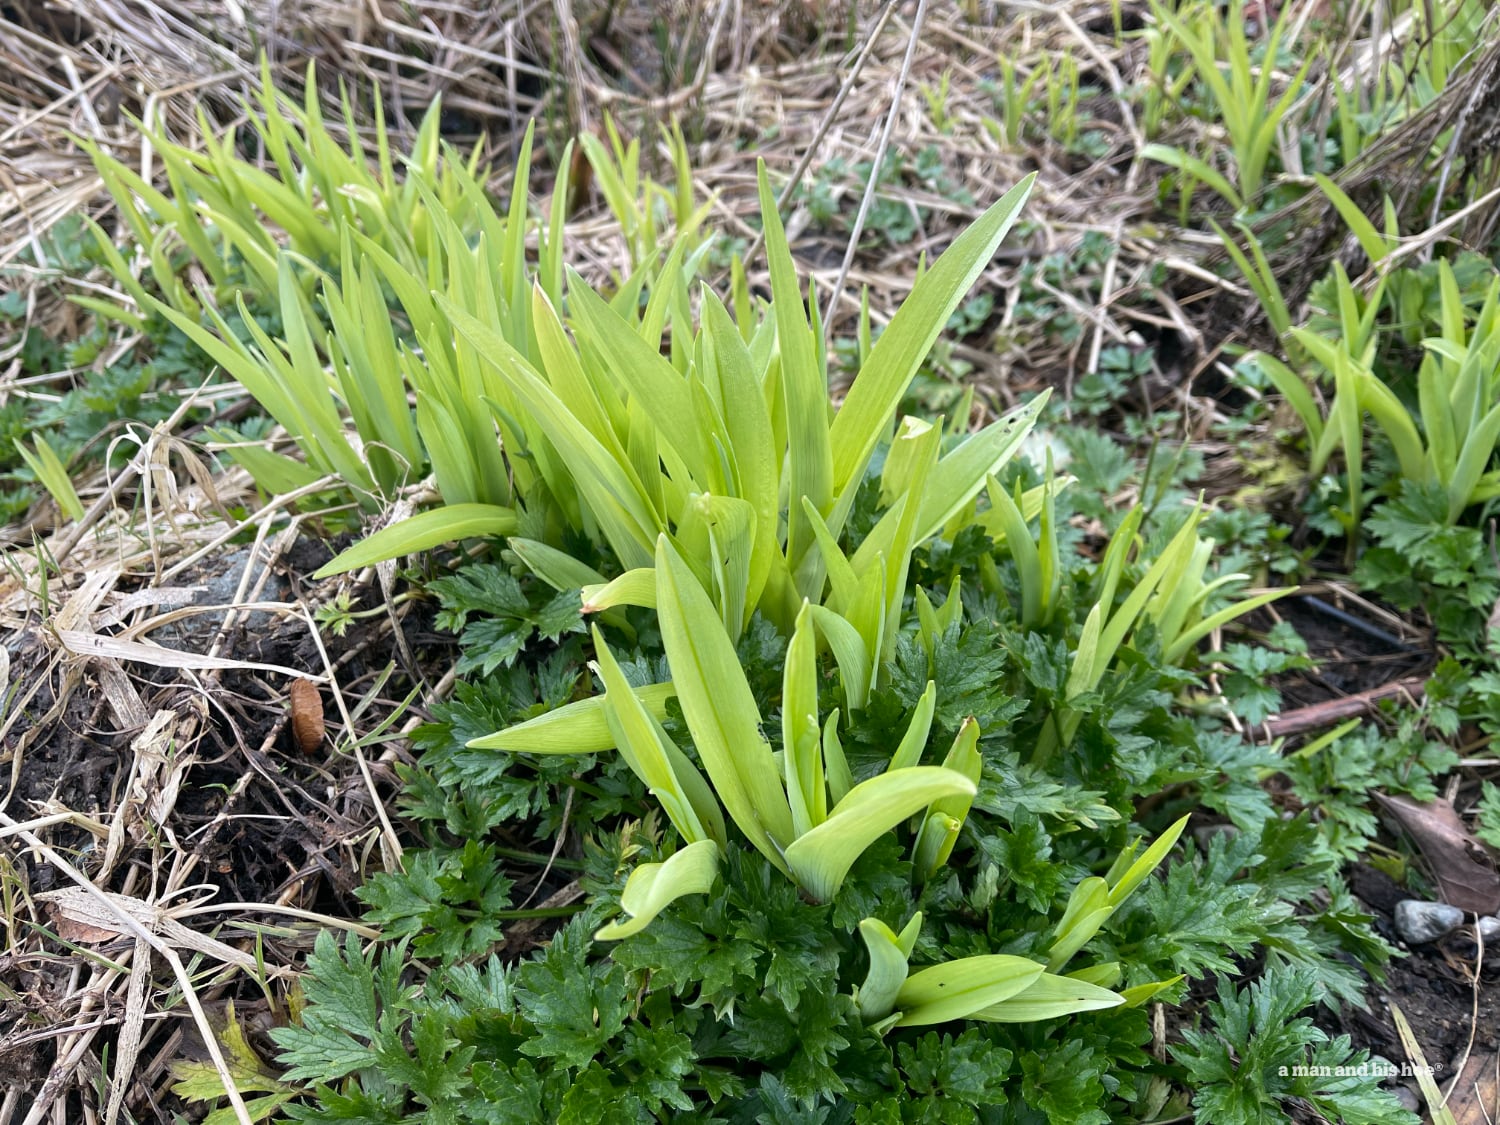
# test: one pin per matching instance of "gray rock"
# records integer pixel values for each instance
(1489, 932)
(1408, 1099)
(216, 582)
(1419, 922)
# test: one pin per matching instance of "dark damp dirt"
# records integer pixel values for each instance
(1443, 989)
(256, 819)
(1448, 990)
(1352, 650)
(255, 811)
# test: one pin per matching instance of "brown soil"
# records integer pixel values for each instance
(1449, 994)
(255, 819)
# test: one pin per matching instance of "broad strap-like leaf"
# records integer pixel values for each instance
(447, 449)
(270, 384)
(1195, 633)
(1123, 620)
(1049, 997)
(275, 472)
(1022, 548)
(1090, 896)
(614, 493)
(810, 465)
(1478, 449)
(366, 337)
(1196, 168)
(841, 575)
(644, 745)
(579, 727)
(719, 707)
(642, 370)
(565, 373)
(888, 965)
(909, 751)
(1295, 390)
(820, 859)
(865, 417)
(635, 587)
(716, 536)
(935, 842)
(653, 886)
(53, 475)
(558, 569)
(1395, 420)
(856, 665)
(1135, 997)
(1134, 875)
(742, 404)
(1081, 674)
(958, 477)
(926, 438)
(954, 481)
(835, 765)
(422, 532)
(563, 572)
(801, 734)
(1375, 245)
(955, 990)
(945, 818)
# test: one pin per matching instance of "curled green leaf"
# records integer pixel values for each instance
(653, 886)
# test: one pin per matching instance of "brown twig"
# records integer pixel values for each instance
(1317, 716)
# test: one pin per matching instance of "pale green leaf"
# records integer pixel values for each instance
(653, 886)
(1195, 168)
(743, 406)
(652, 382)
(856, 666)
(909, 751)
(955, 990)
(804, 387)
(888, 965)
(1375, 245)
(580, 727)
(635, 587)
(558, 569)
(1049, 997)
(835, 765)
(869, 407)
(719, 707)
(801, 736)
(820, 859)
(613, 492)
(422, 532)
(945, 818)
(958, 477)
(643, 744)
(1136, 874)
(1141, 993)
(50, 471)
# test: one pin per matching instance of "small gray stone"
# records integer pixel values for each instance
(1408, 1099)
(1419, 922)
(217, 582)
(1489, 931)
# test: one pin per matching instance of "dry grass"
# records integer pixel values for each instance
(123, 712)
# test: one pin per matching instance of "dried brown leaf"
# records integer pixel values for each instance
(1463, 870)
(73, 929)
(1477, 1091)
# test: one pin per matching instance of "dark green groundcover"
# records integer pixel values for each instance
(736, 1005)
